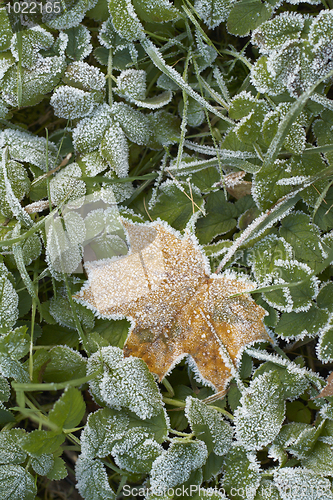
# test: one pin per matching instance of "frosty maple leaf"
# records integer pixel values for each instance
(177, 308)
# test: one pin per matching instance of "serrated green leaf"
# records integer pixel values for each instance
(241, 476)
(125, 383)
(136, 125)
(220, 218)
(325, 345)
(176, 207)
(265, 253)
(320, 459)
(68, 411)
(136, 451)
(264, 395)
(151, 12)
(175, 466)
(78, 46)
(38, 442)
(65, 364)
(114, 149)
(247, 15)
(42, 464)
(92, 480)
(293, 382)
(209, 426)
(296, 325)
(58, 471)
(16, 482)
(267, 491)
(125, 20)
(8, 304)
(325, 297)
(10, 449)
(304, 237)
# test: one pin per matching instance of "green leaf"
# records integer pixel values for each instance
(58, 471)
(296, 298)
(6, 31)
(114, 149)
(115, 332)
(263, 396)
(17, 184)
(4, 390)
(175, 465)
(292, 380)
(65, 364)
(16, 482)
(124, 383)
(320, 459)
(10, 449)
(304, 237)
(92, 480)
(15, 343)
(68, 411)
(174, 206)
(136, 125)
(213, 12)
(325, 345)
(325, 297)
(42, 464)
(264, 254)
(296, 479)
(125, 20)
(89, 132)
(78, 46)
(159, 12)
(38, 442)
(220, 218)
(136, 451)
(267, 491)
(247, 15)
(266, 189)
(296, 325)
(8, 304)
(32, 42)
(241, 476)
(209, 426)
(70, 102)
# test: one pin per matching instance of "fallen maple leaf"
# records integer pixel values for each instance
(177, 308)
(327, 391)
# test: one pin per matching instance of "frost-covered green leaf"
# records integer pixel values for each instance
(174, 203)
(16, 483)
(13, 187)
(89, 132)
(241, 473)
(42, 464)
(267, 491)
(136, 125)
(291, 377)
(155, 12)
(33, 40)
(65, 364)
(38, 442)
(125, 20)
(175, 466)
(4, 390)
(124, 383)
(295, 298)
(61, 311)
(220, 218)
(137, 451)
(304, 238)
(66, 186)
(259, 417)
(264, 254)
(92, 480)
(10, 449)
(298, 324)
(6, 31)
(35, 82)
(324, 347)
(320, 459)
(25, 147)
(246, 16)
(114, 149)
(68, 411)
(132, 85)
(78, 46)
(213, 12)
(295, 483)
(209, 426)
(58, 471)
(8, 303)
(71, 17)
(70, 102)
(84, 76)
